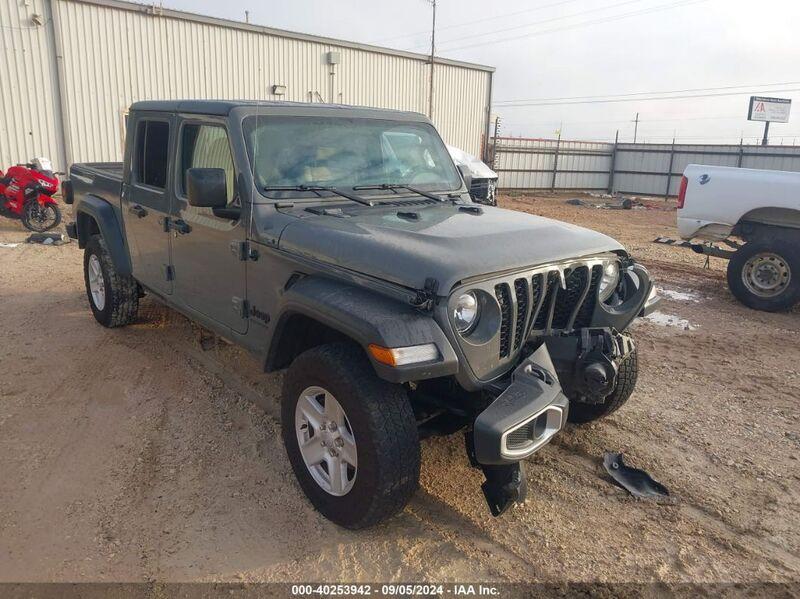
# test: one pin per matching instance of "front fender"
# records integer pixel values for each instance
(638, 285)
(368, 317)
(94, 208)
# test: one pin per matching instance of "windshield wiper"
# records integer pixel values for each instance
(317, 188)
(395, 186)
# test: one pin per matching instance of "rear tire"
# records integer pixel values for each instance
(628, 373)
(113, 298)
(380, 427)
(765, 274)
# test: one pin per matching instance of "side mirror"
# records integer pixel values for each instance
(207, 187)
(465, 174)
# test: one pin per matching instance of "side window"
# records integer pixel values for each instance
(152, 153)
(206, 146)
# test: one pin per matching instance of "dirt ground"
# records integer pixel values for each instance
(135, 455)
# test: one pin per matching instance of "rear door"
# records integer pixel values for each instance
(146, 201)
(209, 271)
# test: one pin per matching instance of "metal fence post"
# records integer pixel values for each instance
(555, 163)
(669, 170)
(613, 164)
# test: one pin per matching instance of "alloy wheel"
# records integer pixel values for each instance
(97, 284)
(326, 441)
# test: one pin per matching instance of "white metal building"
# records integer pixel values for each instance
(70, 69)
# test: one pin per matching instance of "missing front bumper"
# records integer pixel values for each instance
(519, 422)
(524, 417)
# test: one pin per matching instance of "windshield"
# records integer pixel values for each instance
(292, 151)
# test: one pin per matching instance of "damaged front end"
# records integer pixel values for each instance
(532, 406)
(560, 333)
(521, 420)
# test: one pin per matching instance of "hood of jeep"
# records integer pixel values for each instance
(442, 242)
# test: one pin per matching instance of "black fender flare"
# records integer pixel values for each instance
(109, 226)
(639, 284)
(366, 317)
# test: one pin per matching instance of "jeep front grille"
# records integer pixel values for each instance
(558, 299)
(503, 295)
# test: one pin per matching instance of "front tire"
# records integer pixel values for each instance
(40, 218)
(351, 437)
(628, 373)
(765, 275)
(113, 298)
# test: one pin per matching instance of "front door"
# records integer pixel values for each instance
(146, 203)
(206, 248)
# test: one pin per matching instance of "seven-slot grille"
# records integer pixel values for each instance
(541, 303)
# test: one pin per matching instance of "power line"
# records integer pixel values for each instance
(465, 23)
(584, 24)
(550, 20)
(616, 100)
(607, 121)
(650, 93)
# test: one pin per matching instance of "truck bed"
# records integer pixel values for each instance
(109, 170)
(717, 198)
(99, 179)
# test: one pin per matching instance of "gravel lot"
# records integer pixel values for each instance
(134, 454)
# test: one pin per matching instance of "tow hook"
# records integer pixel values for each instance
(505, 484)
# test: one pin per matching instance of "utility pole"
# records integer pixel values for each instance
(494, 144)
(635, 127)
(433, 55)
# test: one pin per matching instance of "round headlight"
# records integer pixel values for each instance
(465, 312)
(610, 280)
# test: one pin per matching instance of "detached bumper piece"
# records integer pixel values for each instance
(519, 422)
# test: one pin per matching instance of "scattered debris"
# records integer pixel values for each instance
(680, 296)
(48, 238)
(617, 204)
(637, 482)
(8, 245)
(668, 320)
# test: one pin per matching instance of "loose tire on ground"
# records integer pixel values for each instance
(383, 427)
(120, 298)
(779, 258)
(580, 412)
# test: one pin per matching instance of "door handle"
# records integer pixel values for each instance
(179, 226)
(137, 210)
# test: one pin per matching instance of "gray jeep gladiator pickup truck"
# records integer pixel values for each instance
(341, 243)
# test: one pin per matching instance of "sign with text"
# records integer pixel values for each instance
(775, 110)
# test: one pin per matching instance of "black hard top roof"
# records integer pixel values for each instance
(223, 108)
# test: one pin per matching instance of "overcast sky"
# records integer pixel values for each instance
(545, 49)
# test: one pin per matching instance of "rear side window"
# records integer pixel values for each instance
(152, 153)
(206, 146)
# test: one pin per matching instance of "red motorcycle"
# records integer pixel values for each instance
(26, 192)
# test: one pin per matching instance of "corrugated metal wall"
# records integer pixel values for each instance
(548, 163)
(30, 123)
(114, 53)
(530, 164)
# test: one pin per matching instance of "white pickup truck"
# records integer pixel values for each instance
(759, 207)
